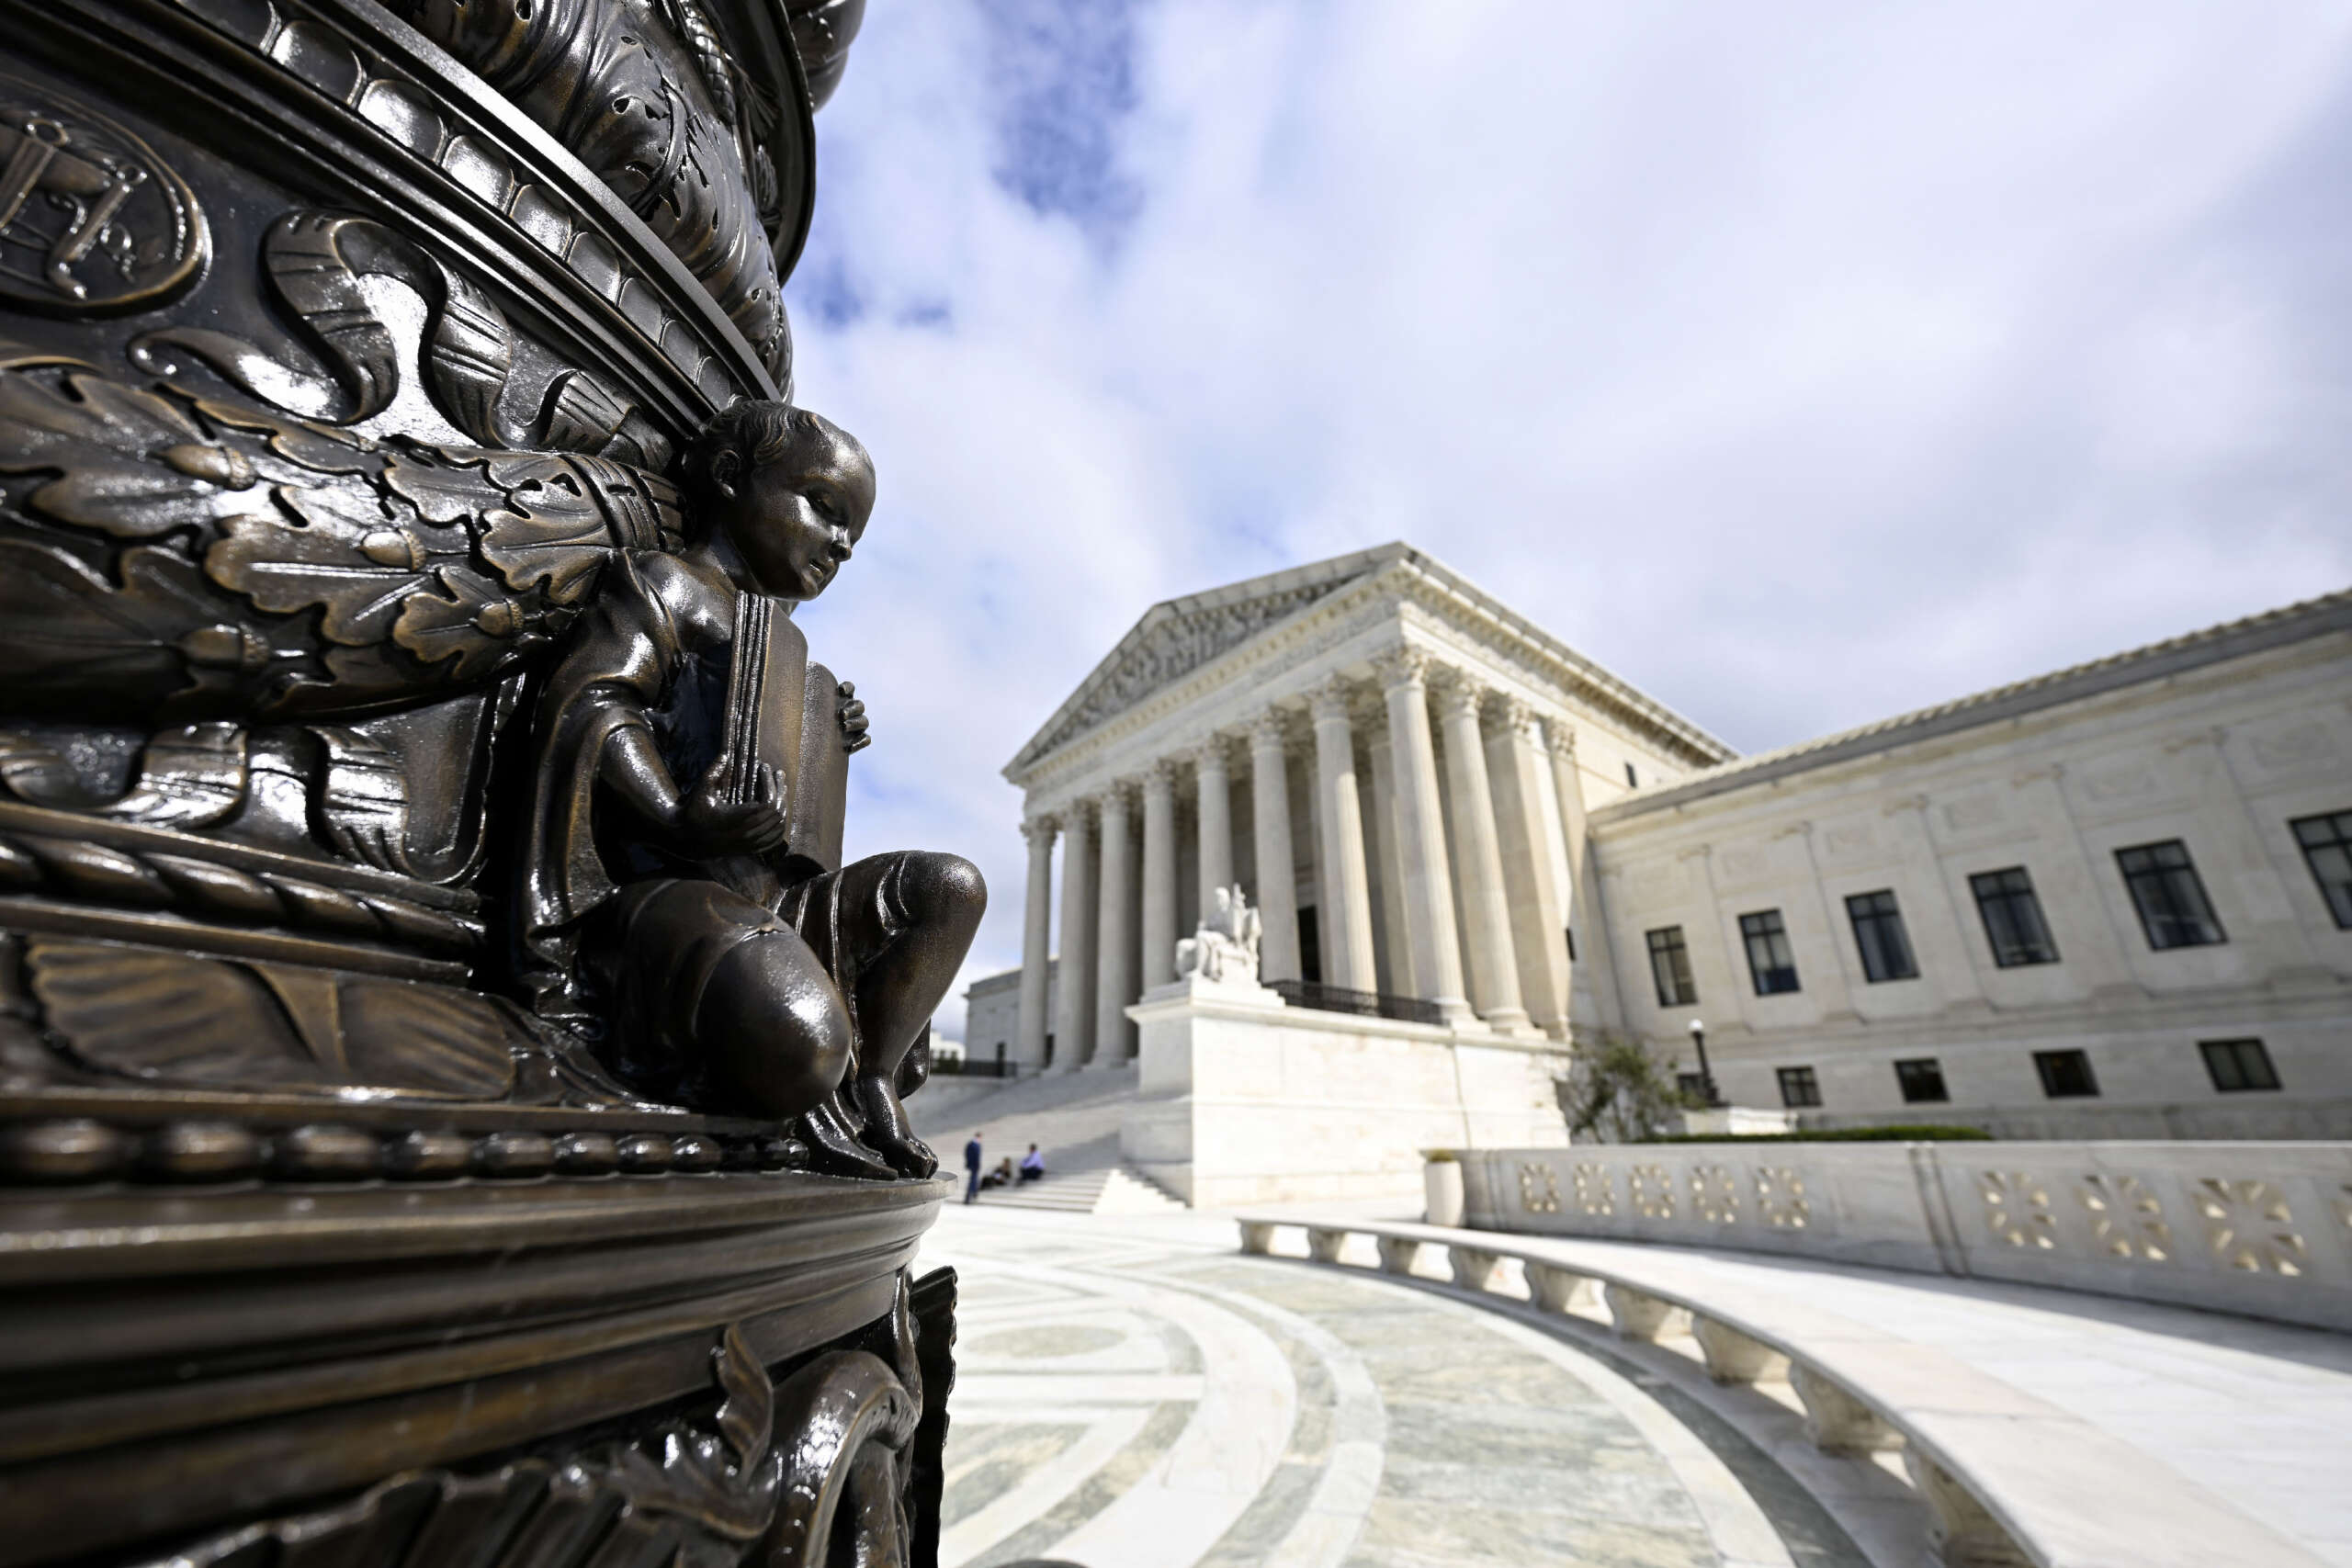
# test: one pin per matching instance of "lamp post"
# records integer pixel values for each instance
(1707, 1078)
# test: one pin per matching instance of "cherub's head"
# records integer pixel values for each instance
(789, 490)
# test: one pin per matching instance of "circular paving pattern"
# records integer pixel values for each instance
(1140, 1396)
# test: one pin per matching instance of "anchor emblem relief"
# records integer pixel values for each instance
(91, 220)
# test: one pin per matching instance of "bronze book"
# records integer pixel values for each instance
(781, 713)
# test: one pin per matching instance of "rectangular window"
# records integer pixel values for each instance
(1921, 1081)
(2170, 898)
(2012, 917)
(2327, 845)
(1311, 946)
(2065, 1075)
(1769, 960)
(1878, 932)
(1692, 1086)
(1631, 782)
(1799, 1087)
(1670, 967)
(2237, 1064)
(1570, 932)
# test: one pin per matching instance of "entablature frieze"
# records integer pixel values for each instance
(1435, 623)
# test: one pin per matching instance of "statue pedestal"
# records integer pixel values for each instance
(1246, 1100)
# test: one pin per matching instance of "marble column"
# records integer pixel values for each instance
(1593, 975)
(1074, 1007)
(1037, 944)
(1115, 934)
(1159, 874)
(1539, 916)
(1485, 902)
(1269, 825)
(1346, 923)
(1393, 946)
(1216, 820)
(1427, 880)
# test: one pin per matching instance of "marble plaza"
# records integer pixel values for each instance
(1133, 1390)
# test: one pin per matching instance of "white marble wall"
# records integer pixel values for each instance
(2221, 757)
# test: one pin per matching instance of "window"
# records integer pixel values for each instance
(1570, 932)
(1769, 961)
(2012, 917)
(1692, 1085)
(1878, 932)
(2236, 1065)
(2327, 845)
(2065, 1075)
(1311, 946)
(1631, 782)
(1921, 1081)
(2170, 898)
(1799, 1087)
(1670, 967)
(1050, 1050)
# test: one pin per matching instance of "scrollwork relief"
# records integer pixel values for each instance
(808, 1472)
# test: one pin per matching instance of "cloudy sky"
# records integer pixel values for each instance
(1802, 362)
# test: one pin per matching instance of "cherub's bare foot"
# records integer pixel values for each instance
(887, 1128)
(835, 1147)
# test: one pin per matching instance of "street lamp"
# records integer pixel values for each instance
(1707, 1078)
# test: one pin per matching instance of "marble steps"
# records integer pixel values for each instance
(1104, 1191)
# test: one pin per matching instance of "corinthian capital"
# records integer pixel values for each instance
(1457, 695)
(1270, 732)
(1404, 665)
(1560, 739)
(1511, 715)
(1040, 830)
(1210, 754)
(1160, 778)
(1330, 700)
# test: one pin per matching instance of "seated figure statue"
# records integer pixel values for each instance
(734, 975)
(1224, 951)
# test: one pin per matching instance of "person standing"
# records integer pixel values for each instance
(972, 1168)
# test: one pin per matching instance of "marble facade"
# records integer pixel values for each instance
(1459, 810)
(1394, 765)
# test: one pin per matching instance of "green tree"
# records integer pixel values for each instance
(1618, 1090)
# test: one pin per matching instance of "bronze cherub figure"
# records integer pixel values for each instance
(734, 969)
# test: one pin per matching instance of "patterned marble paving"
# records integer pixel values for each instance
(1134, 1396)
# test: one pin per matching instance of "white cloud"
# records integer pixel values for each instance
(1802, 363)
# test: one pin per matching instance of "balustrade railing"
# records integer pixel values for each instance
(2260, 1228)
(1364, 1004)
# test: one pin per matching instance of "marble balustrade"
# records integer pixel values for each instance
(2262, 1229)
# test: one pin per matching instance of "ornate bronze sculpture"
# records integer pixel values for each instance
(449, 1083)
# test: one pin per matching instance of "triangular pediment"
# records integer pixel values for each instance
(1177, 637)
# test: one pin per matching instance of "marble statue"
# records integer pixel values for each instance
(1224, 951)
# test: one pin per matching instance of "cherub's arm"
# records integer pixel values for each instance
(697, 823)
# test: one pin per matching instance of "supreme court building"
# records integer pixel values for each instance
(2113, 900)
